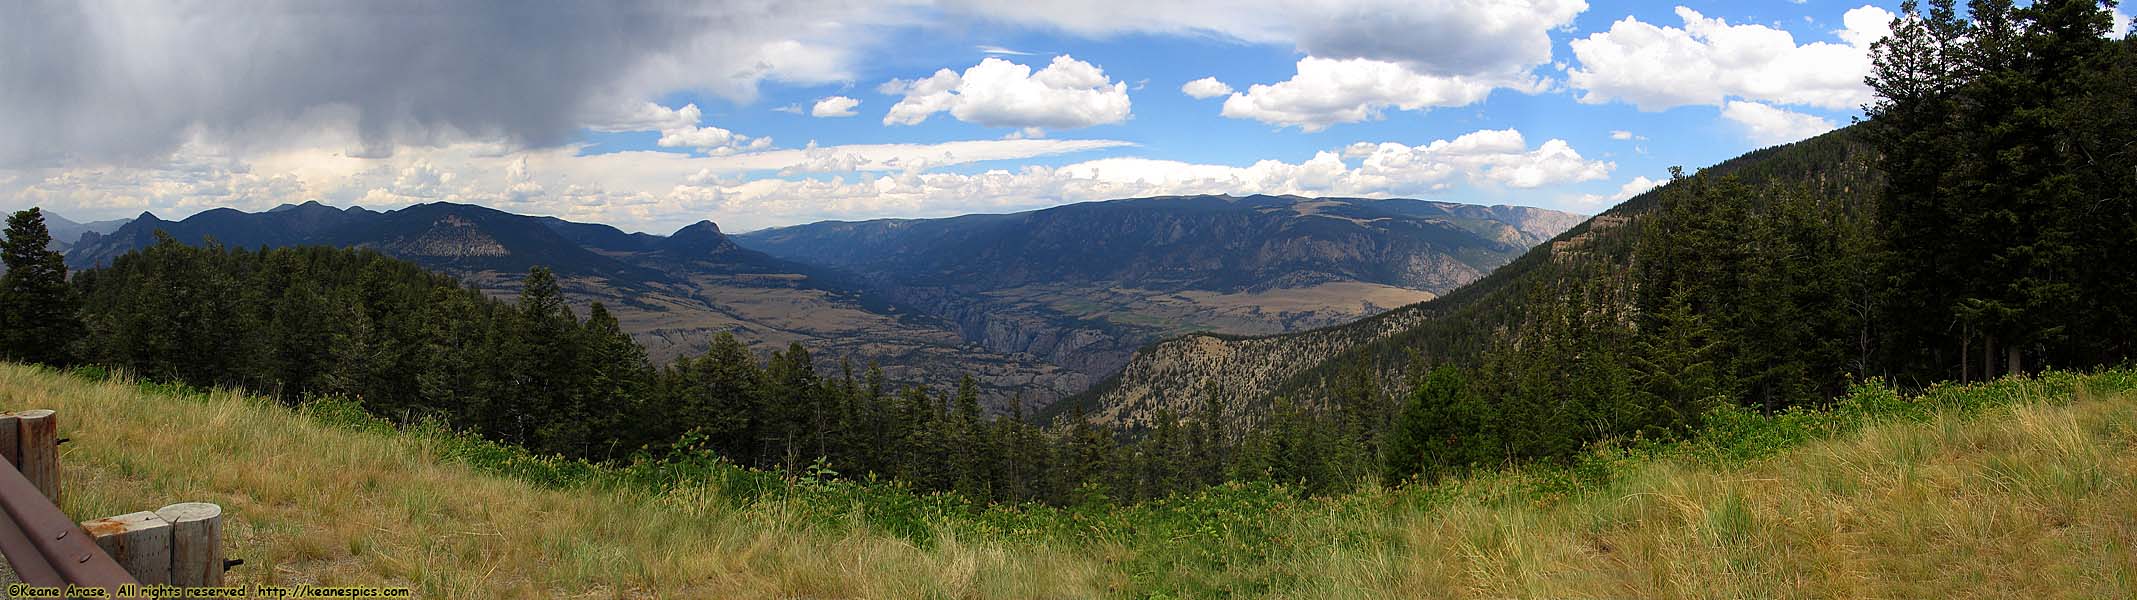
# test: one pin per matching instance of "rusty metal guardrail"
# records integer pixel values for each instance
(46, 548)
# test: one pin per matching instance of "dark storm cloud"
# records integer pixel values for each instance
(92, 82)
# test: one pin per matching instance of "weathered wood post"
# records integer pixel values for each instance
(140, 542)
(10, 445)
(196, 543)
(38, 436)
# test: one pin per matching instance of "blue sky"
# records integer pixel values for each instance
(1172, 125)
(653, 115)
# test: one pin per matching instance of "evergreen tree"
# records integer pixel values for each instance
(2003, 189)
(970, 450)
(1674, 364)
(616, 381)
(1020, 455)
(546, 368)
(877, 452)
(1365, 411)
(1428, 438)
(929, 442)
(795, 410)
(451, 329)
(1909, 127)
(1088, 463)
(1164, 456)
(38, 311)
(1209, 448)
(722, 392)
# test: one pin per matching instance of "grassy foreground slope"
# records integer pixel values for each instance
(2016, 488)
(308, 501)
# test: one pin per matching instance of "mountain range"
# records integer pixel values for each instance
(1037, 305)
(66, 231)
(1084, 285)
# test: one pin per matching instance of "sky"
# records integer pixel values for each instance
(761, 113)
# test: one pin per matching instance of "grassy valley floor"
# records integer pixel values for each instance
(2017, 488)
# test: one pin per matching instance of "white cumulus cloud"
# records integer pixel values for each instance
(1066, 94)
(1205, 88)
(1707, 61)
(1492, 156)
(1328, 91)
(834, 106)
(648, 116)
(1768, 125)
(711, 139)
(679, 128)
(1636, 186)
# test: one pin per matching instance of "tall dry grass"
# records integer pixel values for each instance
(305, 502)
(2022, 490)
(2033, 500)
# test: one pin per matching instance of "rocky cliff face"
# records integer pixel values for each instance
(450, 237)
(66, 232)
(1241, 372)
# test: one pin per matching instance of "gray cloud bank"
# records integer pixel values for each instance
(114, 81)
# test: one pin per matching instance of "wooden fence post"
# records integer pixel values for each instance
(196, 543)
(10, 445)
(38, 436)
(140, 542)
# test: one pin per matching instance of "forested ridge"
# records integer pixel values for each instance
(1912, 247)
(1964, 232)
(1459, 326)
(1979, 223)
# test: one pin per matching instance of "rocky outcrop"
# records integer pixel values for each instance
(451, 237)
(1179, 372)
(700, 240)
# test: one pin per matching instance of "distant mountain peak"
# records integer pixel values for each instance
(53, 218)
(701, 227)
(286, 207)
(699, 239)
